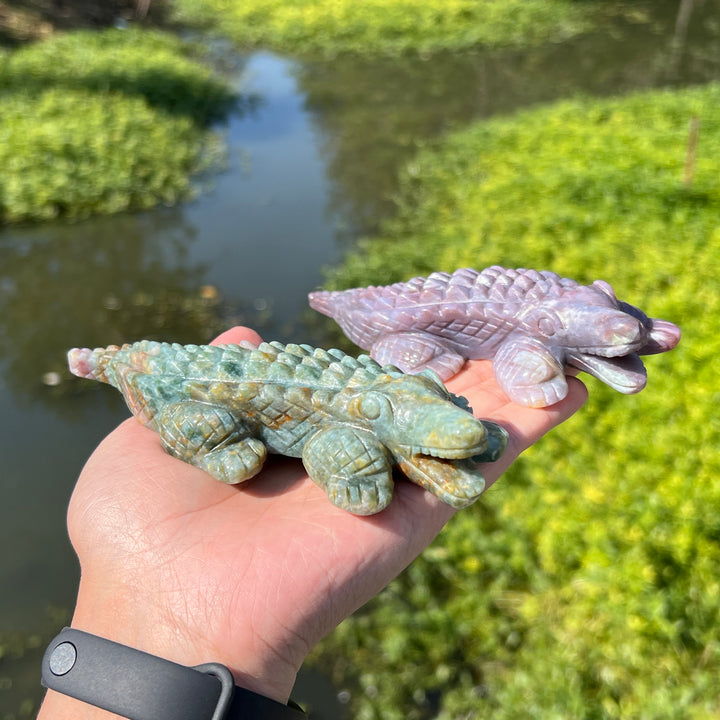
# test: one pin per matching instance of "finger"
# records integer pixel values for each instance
(237, 335)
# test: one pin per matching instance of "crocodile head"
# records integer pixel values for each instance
(589, 329)
(430, 433)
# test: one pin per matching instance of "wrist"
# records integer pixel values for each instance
(141, 686)
(151, 622)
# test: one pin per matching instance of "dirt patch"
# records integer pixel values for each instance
(23, 20)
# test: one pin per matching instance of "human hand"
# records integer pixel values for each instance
(252, 576)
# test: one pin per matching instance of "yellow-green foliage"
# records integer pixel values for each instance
(102, 122)
(586, 583)
(331, 26)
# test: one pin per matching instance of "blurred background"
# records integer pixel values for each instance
(169, 168)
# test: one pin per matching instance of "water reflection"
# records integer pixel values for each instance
(372, 114)
(251, 248)
(93, 284)
(109, 279)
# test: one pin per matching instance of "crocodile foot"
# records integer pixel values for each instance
(208, 437)
(352, 467)
(416, 351)
(529, 373)
(236, 462)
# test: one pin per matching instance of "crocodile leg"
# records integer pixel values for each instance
(353, 468)
(529, 373)
(208, 437)
(415, 351)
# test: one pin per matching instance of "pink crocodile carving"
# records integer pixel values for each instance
(534, 325)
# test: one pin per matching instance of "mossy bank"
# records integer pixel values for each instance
(327, 27)
(98, 122)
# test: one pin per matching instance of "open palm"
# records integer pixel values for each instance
(187, 568)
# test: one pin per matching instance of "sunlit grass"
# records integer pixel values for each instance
(327, 27)
(99, 122)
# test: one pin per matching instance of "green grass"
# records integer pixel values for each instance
(585, 584)
(99, 122)
(327, 27)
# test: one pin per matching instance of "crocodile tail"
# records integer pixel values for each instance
(91, 364)
(323, 301)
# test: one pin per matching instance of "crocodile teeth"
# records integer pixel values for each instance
(443, 453)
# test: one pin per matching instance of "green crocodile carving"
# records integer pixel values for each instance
(222, 408)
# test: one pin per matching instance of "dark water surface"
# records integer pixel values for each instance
(311, 168)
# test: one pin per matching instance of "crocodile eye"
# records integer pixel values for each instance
(371, 405)
(547, 324)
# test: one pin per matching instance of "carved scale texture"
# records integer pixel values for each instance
(180, 371)
(273, 362)
(377, 310)
(493, 284)
(164, 372)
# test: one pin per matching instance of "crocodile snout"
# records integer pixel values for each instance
(449, 433)
(623, 334)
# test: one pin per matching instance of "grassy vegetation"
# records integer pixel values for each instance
(585, 584)
(98, 122)
(327, 27)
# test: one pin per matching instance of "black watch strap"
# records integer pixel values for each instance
(140, 686)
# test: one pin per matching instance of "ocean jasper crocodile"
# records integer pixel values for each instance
(532, 324)
(222, 408)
